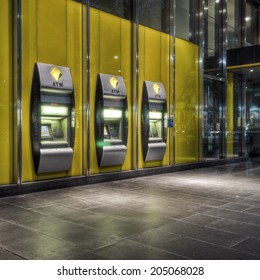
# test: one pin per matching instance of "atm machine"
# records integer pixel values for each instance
(111, 120)
(52, 118)
(153, 121)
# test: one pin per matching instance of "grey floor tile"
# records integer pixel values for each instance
(154, 237)
(11, 232)
(149, 219)
(209, 235)
(86, 256)
(41, 247)
(6, 255)
(79, 203)
(234, 215)
(200, 219)
(235, 206)
(251, 202)
(117, 227)
(131, 250)
(78, 216)
(198, 250)
(117, 212)
(237, 227)
(253, 210)
(250, 245)
(169, 212)
(26, 202)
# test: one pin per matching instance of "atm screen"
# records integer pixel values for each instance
(45, 131)
(155, 129)
(114, 130)
(106, 132)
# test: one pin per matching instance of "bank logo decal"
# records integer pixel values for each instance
(156, 88)
(113, 82)
(56, 73)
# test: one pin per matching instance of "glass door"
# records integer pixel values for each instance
(211, 119)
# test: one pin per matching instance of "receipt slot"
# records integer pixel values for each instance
(52, 118)
(154, 121)
(111, 121)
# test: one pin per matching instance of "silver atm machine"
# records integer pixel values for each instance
(154, 121)
(111, 120)
(52, 118)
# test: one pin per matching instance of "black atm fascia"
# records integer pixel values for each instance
(153, 101)
(111, 94)
(52, 88)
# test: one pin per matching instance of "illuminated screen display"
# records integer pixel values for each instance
(45, 131)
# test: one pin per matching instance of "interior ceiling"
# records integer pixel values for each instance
(252, 73)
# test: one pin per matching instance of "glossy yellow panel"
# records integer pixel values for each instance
(6, 94)
(110, 53)
(186, 114)
(230, 115)
(110, 44)
(29, 55)
(154, 65)
(152, 55)
(51, 33)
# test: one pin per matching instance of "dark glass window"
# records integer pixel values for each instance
(252, 22)
(187, 20)
(214, 14)
(234, 24)
(121, 8)
(155, 14)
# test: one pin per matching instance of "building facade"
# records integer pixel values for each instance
(154, 85)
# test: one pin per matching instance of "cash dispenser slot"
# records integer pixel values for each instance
(153, 125)
(52, 118)
(111, 122)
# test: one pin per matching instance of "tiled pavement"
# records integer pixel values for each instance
(211, 213)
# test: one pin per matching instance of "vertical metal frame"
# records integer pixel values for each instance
(135, 102)
(223, 66)
(19, 90)
(171, 106)
(201, 77)
(87, 108)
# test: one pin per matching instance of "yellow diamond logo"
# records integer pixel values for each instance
(156, 88)
(56, 73)
(113, 82)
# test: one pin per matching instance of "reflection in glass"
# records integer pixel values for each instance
(155, 14)
(121, 8)
(234, 24)
(252, 23)
(211, 118)
(187, 19)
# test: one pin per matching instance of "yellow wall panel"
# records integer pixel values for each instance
(154, 65)
(126, 72)
(76, 34)
(230, 115)
(110, 53)
(152, 55)
(6, 94)
(186, 92)
(29, 57)
(110, 44)
(94, 70)
(51, 33)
